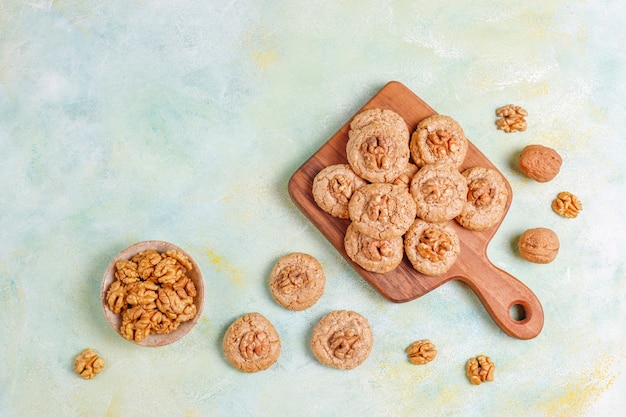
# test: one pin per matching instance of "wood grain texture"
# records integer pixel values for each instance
(497, 290)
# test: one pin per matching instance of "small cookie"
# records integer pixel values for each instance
(432, 248)
(388, 117)
(438, 138)
(251, 343)
(378, 152)
(372, 254)
(333, 187)
(297, 281)
(382, 211)
(342, 339)
(486, 199)
(440, 191)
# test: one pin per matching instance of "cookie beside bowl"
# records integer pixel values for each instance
(152, 293)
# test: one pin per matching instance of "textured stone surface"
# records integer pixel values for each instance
(123, 121)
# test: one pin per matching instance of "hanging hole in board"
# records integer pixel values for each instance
(517, 312)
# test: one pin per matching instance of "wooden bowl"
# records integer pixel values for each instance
(195, 274)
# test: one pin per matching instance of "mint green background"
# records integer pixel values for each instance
(125, 121)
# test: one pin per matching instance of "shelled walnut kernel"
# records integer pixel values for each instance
(421, 352)
(567, 205)
(434, 244)
(88, 364)
(511, 118)
(480, 369)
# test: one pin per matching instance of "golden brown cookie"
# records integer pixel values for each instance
(440, 191)
(385, 116)
(342, 339)
(297, 281)
(382, 211)
(438, 138)
(372, 254)
(486, 199)
(333, 187)
(432, 248)
(377, 152)
(251, 343)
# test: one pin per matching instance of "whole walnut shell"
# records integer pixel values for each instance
(539, 245)
(540, 162)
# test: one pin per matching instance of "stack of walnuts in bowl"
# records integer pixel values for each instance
(401, 189)
(153, 293)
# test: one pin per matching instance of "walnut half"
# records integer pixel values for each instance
(434, 244)
(511, 118)
(421, 352)
(480, 369)
(88, 364)
(342, 342)
(567, 205)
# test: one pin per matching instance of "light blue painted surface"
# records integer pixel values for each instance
(125, 121)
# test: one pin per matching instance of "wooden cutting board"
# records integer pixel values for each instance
(503, 295)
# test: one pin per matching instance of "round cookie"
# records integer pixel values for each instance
(440, 191)
(251, 343)
(438, 138)
(486, 199)
(388, 117)
(382, 211)
(297, 281)
(342, 339)
(371, 254)
(432, 248)
(333, 187)
(378, 152)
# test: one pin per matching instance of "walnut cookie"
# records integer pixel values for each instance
(342, 339)
(378, 151)
(333, 187)
(486, 199)
(384, 116)
(372, 254)
(440, 192)
(297, 281)
(438, 138)
(251, 343)
(382, 211)
(432, 248)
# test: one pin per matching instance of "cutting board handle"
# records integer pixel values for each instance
(511, 304)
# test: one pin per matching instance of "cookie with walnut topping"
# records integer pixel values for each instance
(382, 211)
(374, 255)
(377, 115)
(432, 248)
(342, 339)
(486, 199)
(297, 281)
(333, 187)
(251, 343)
(440, 191)
(438, 138)
(378, 151)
